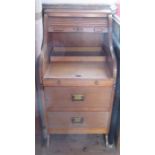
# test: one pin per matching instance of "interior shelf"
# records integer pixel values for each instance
(77, 54)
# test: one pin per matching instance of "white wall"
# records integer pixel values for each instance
(38, 27)
(79, 1)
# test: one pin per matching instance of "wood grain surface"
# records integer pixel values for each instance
(87, 70)
(94, 98)
(93, 121)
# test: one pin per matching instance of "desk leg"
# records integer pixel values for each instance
(48, 140)
(107, 145)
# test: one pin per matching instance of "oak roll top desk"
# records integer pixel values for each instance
(77, 70)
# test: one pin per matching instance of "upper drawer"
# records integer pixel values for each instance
(78, 98)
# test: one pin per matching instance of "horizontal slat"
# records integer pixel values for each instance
(77, 29)
(62, 29)
(78, 58)
(62, 10)
(77, 49)
(78, 109)
(75, 14)
(77, 82)
(78, 131)
(78, 22)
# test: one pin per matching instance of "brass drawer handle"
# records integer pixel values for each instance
(78, 97)
(77, 120)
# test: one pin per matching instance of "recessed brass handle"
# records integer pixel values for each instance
(78, 97)
(77, 120)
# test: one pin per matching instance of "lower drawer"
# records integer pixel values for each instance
(78, 120)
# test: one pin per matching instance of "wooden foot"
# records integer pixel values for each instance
(107, 145)
(48, 140)
(106, 141)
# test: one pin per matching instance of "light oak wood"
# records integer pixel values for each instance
(78, 131)
(92, 11)
(78, 7)
(76, 39)
(78, 109)
(77, 49)
(78, 84)
(77, 29)
(70, 21)
(77, 58)
(77, 74)
(90, 120)
(78, 25)
(57, 28)
(76, 13)
(44, 59)
(76, 70)
(93, 98)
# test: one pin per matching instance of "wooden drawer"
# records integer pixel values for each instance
(78, 98)
(72, 120)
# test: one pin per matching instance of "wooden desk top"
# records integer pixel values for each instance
(76, 70)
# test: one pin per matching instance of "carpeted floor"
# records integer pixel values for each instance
(75, 145)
